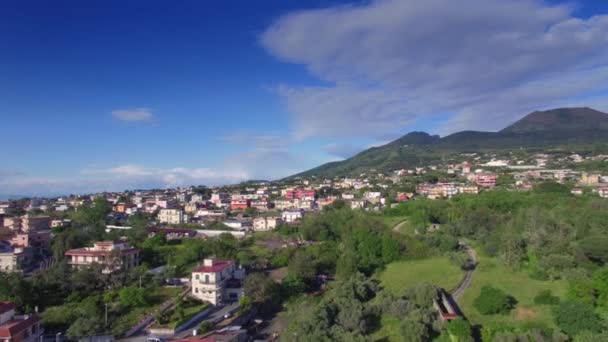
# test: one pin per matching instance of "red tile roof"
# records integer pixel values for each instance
(15, 326)
(218, 266)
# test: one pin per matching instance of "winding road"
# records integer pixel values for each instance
(468, 276)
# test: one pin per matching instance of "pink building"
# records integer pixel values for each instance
(301, 194)
(486, 180)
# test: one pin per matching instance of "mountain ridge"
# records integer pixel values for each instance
(549, 128)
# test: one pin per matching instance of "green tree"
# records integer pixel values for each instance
(493, 301)
(573, 318)
(460, 330)
(132, 297)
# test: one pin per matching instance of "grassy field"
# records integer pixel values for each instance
(439, 271)
(158, 296)
(515, 283)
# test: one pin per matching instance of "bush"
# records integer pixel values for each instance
(546, 297)
(493, 301)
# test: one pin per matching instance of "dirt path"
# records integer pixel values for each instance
(397, 228)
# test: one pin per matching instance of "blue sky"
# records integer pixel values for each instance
(115, 94)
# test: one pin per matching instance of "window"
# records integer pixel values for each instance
(206, 278)
(197, 277)
(196, 290)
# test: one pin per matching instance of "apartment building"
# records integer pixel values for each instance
(35, 223)
(171, 216)
(218, 281)
(111, 255)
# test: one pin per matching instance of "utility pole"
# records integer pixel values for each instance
(106, 304)
(140, 281)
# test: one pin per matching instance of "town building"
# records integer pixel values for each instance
(171, 216)
(35, 223)
(111, 255)
(590, 178)
(240, 204)
(261, 224)
(15, 328)
(14, 258)
(301, 194)
(486, 180)
(218, 281)
(291, 216)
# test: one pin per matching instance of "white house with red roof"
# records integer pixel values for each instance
(14, 328)
(217, 281)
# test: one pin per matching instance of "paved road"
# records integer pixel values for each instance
(215, 316)
(466, 281)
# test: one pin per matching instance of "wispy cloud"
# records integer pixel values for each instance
(343, 151)
(388, 63)
(133, 115)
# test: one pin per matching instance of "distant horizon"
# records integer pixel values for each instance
(119, 95)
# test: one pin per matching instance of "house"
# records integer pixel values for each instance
(238, 224)
(291, 216)
(486, 180)
(111, 255)
(240, 204)
(14, 258)
(590, 178)
(217, 281)
(301, 194)
(171, 216)
(284, 204)
(39, 241)
(576, 191)
(192, 207)
(14, 328)
(360, 204)
(603, 192)
(35, 223)
(12, 223)
(172, 233)
(261, 205)
(403, 197)
(261, 224)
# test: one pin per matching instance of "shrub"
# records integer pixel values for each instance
(493, 301)
(546, 297)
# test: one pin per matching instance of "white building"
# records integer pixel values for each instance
(291, 216)
(171, 216)
(261, 224)
(218, 281)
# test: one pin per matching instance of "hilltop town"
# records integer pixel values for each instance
(152, 234)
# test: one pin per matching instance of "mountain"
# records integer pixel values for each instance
(560, 120)
(540, 129)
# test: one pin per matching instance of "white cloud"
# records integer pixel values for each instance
(133, 115)
(342, 151)
(388, 63)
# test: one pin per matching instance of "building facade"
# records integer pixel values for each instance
(112, 256)
(218, 281)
